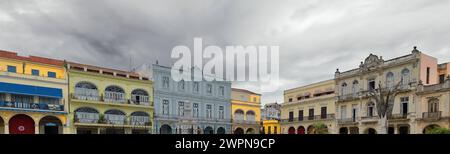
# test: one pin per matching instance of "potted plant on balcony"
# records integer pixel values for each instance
(101, 118)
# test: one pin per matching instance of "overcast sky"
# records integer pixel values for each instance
(315, 36)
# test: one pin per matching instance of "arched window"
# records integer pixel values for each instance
(140, 96)
(86, 115)
(405, 78)
(114, 94)
(115, 117)
(86, 91)
(390, 80)
(344, 89)
(181, 85)
(139, 118)
(250, 115)
(433, 105)
(239, 115)
(355, 88)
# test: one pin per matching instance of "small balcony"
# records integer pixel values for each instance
(368, 119)
(431, 115)
(310, 118)
(400, 116)
(347, 121)
(34, 106)
(347, 97)
(114, 97)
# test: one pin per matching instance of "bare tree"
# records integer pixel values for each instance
(384, 102)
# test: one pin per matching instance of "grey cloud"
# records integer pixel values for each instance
(315, 36)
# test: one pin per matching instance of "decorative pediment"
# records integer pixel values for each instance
(371, 61)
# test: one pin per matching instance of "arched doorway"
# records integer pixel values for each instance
(220, 130)
(21, 124)
(208, 130)
(371, 131)
(239, 131)
(2, 126)
(343, 130)
(301, 130)
(311, 129)
(250, 131)
(428, 128)
(165, 129)
(291, 130)
(50, 125)
(354, 130)
(403, 129)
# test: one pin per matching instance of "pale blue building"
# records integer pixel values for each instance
(190, 107)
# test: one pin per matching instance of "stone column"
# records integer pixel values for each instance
(6, 128)
(36, 129)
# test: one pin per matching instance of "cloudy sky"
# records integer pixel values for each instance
(315, 36)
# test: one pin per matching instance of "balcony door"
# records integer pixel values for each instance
(323, 112)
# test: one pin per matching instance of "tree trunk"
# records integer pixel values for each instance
(383, 125)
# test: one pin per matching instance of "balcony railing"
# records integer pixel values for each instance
(36, 106)
(140, 100)
(115, 97)
(347, 121)
(431, 115)
(188, 117)
(86, 94)
(348, 96)
(95, 118)
(240, 121)
(399, 116)
(310, 118)
(144, 101)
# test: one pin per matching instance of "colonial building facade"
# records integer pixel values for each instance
(270, 117)
(108, 101)
(190, 107)
(420, 80)
(246, 111)
(33, 95)
(306, 106)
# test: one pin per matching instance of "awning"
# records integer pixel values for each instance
(12, 88)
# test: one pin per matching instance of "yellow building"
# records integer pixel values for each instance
(271, 127)
(108, 101)
(33, 95)
(246, 111)
(306, 106)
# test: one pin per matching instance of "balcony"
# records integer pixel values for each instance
(400, 116)
(95, 118)
(348, 97)
(431, 115)
(369, 119)
(114, 97)
(249, 122)
(32, 106)
(310, 118)
(347, 121)
(144, 101)
(176, 117)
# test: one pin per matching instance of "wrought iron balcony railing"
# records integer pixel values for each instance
(431, 115)
(35, 106)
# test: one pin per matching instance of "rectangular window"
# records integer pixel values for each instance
(269, 129)
(221, 112)
(404, 106)
(311, 114)
(180, 108)
(441, 78)
(428, 75)
(165, 107)
(51, 74)
(222, 91)
(290, 99)
(196, 87)
(300, 115)
(275, 130)
(343, 112)
(323, 112)
(208, 111)
(291, 116)
(195, 110)
(12, 69)
(35, 72)
(165, 82)
(371, 84)
(209, 88)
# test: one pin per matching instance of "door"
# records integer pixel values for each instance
(51, 129)
(311, 114)
(21, 124)
(404, 109)
(323, 112)
(354, 114)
